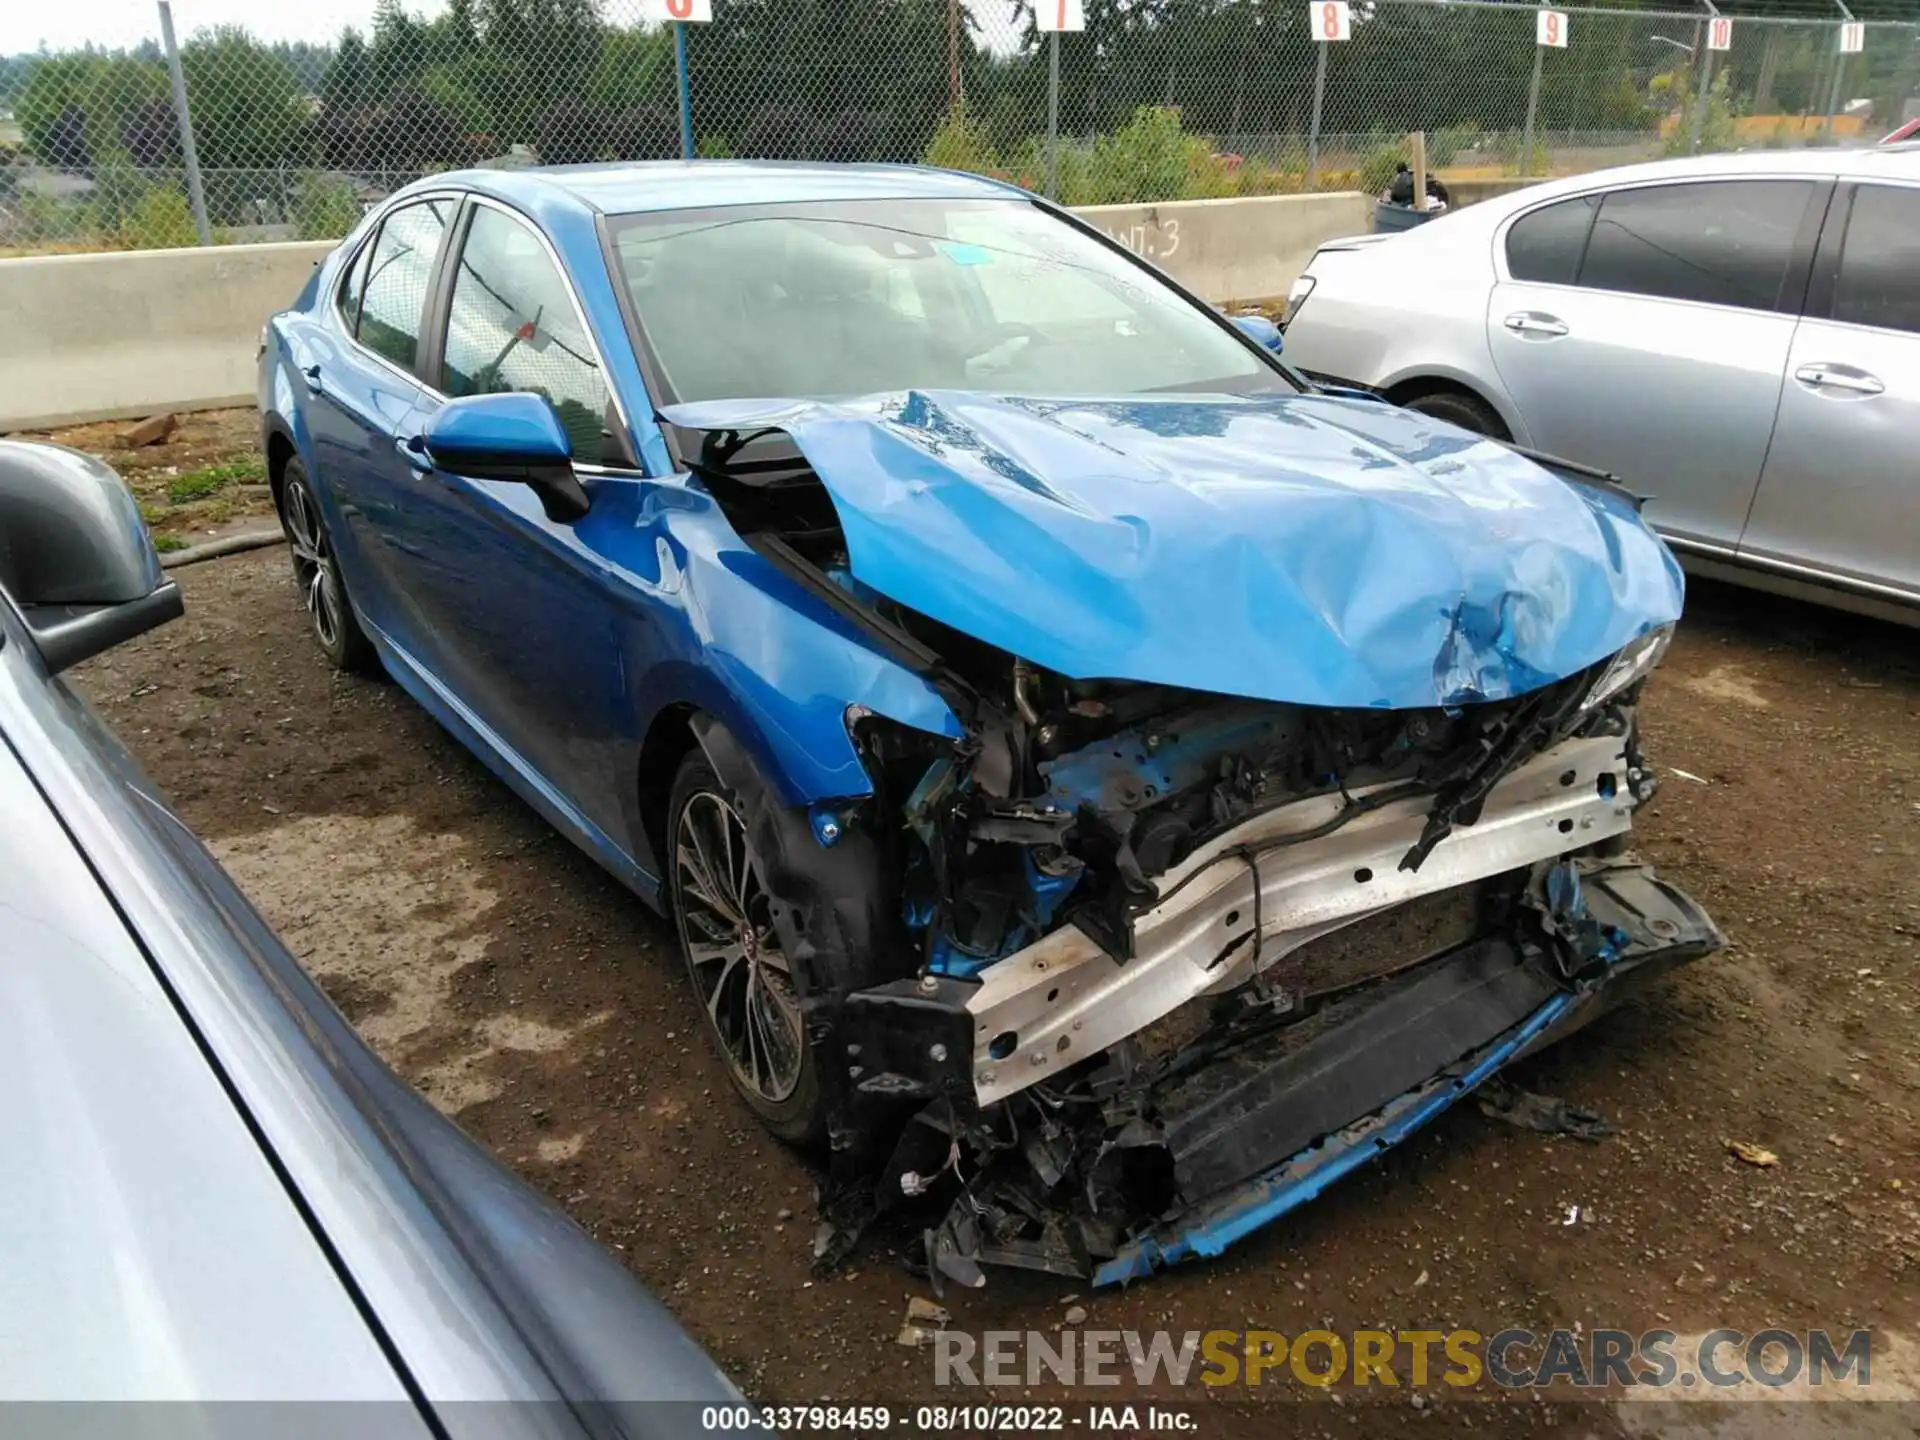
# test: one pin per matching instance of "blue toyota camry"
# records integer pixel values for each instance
(1078, 754)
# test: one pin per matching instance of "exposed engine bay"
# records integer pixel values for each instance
(1129, 970)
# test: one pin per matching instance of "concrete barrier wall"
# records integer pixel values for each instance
(96, 337)
(1248, 249)
(1471, 192)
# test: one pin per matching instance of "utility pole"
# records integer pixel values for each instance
(953, 54)
(196, 195)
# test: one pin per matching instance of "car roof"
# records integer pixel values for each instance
(1891, 162)
(633, 187)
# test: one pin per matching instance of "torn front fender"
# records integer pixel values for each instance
(1306, 549)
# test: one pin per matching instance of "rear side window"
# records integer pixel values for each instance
(395, 291)
(513, 326)
(1879, 280)
(1546, 246)
(1724, 242)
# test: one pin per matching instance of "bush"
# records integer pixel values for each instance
(962, 143)
(1152, 158)
(159, 220)
(324, 208)
(644, 132)
(1378, 168)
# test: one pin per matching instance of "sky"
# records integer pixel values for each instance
(63, 24)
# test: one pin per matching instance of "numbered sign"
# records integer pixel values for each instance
(1550, 28)
(686, 12)
(1853, 37)
(1720, 33)
(1060, 14)
(1331, 19)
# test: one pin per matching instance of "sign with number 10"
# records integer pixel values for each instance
(1720, 33)
(1331, 19)
(1060, 14)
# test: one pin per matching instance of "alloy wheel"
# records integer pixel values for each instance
(313, 567)
(733, 952)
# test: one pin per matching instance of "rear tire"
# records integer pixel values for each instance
(1469, 412)
(316, 573)
(740, 976)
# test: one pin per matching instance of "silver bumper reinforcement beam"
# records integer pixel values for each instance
(1063, 999)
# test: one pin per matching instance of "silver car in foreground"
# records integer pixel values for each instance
(210, 1190)
(1736, 336)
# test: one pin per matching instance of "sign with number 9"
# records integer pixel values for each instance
(1550, 28)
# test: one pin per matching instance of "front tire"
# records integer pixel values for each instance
(740, 975)
(316, 571)
(1469, 412)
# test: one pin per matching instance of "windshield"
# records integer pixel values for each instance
(825, 301)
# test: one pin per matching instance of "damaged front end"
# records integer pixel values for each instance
(1160, 962)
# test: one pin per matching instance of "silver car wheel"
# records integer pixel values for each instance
(732, 950)
(313, 564)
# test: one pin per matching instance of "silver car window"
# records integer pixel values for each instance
(1879, 280)
(1547, 245)
(1722, 242)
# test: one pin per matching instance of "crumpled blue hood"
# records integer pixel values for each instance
(1311, 549)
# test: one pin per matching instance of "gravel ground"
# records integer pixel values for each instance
(527, 994)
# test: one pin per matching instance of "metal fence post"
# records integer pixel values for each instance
(196, 196)
(1313, 126)
(1053, 114)
(1706, 81)
(686, 90)
(1533, 106)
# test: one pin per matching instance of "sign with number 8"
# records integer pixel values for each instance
(1331, 19)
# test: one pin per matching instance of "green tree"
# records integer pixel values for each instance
(247, 106)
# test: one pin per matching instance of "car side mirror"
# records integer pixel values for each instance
(1259, 329)
(515, 436)
(74, 554)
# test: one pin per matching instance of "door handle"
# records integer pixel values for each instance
(413, 450)
(312, 372)
(1839, 377)
(1527, 322)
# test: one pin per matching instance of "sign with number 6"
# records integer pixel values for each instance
(1550, 28)
(686, 12)
(1853, 37)
(1331, 19)
(1720, 33)
(1060, 14)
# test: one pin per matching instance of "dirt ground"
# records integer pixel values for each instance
(525, 992)
(205, 479)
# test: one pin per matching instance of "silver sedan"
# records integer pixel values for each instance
(1737, 336)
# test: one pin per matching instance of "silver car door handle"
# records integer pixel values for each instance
(1525, 324)
(1834, 378)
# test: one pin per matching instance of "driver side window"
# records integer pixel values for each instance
(512, 327)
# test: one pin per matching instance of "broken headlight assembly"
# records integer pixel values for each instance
(1631, 664)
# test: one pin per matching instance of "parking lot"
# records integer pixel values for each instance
(529, 995)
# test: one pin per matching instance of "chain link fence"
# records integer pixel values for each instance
(1157, 100)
